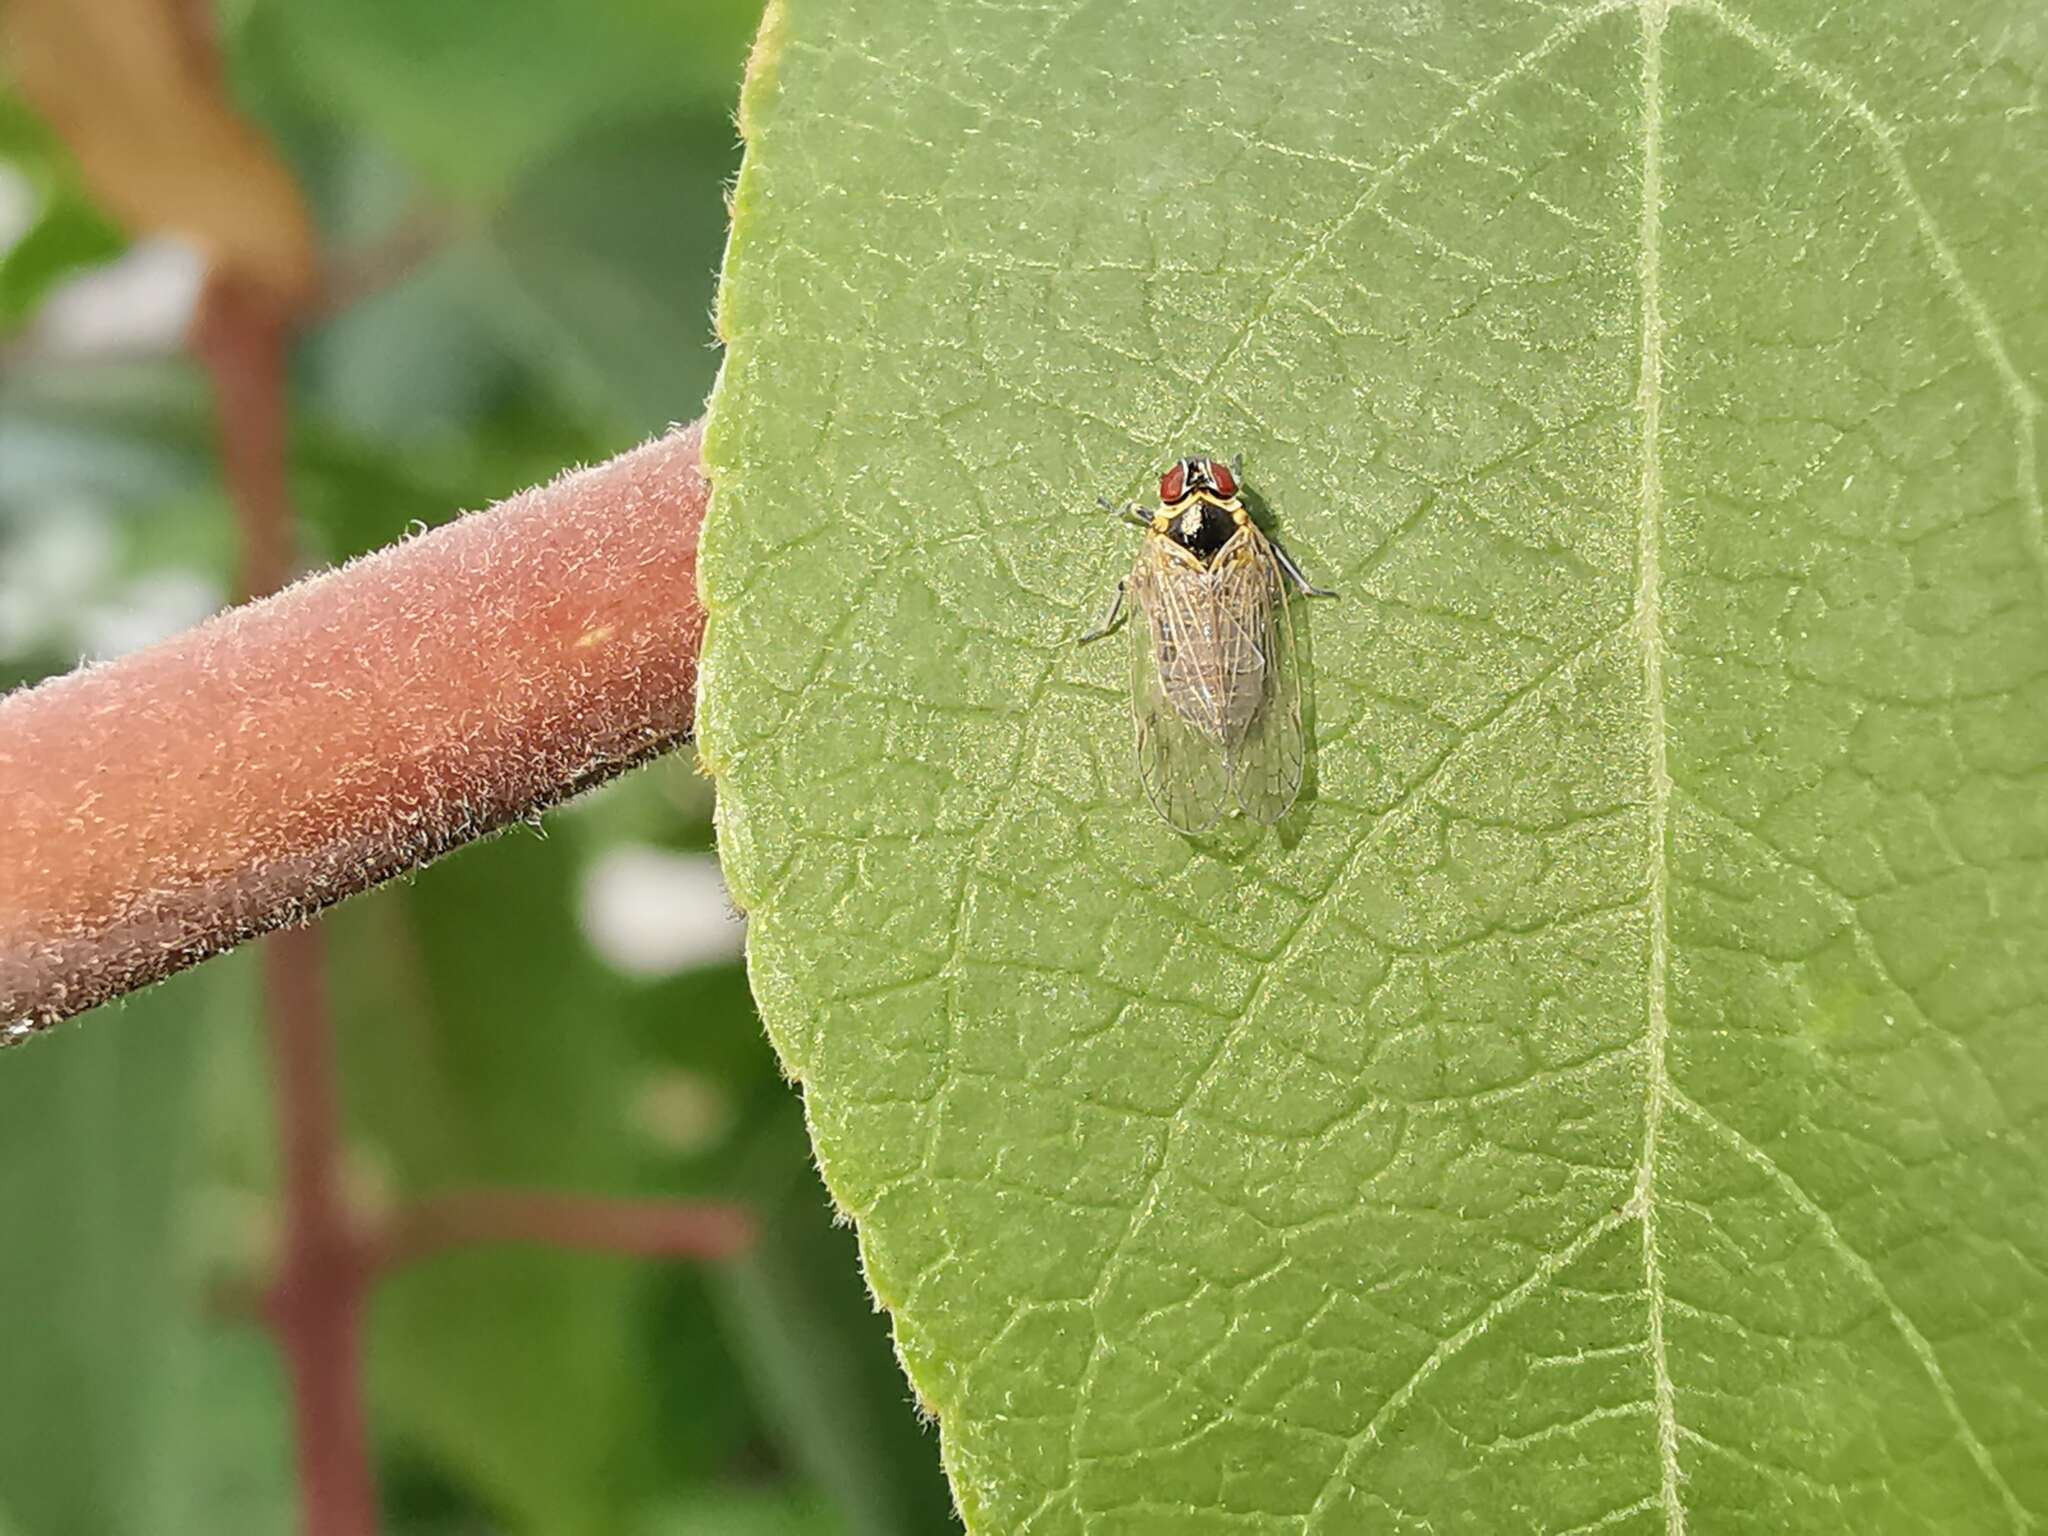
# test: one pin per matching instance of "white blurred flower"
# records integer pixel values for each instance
(681, 1112)
(650, 912)
(61, 589)
(148, 609)
(53, 566)
(139, 303)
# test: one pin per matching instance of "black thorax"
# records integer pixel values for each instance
(1211, 530)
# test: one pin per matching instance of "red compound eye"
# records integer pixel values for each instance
(1173, 484)
(1226, 482)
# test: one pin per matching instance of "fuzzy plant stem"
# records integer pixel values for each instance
(246, 774)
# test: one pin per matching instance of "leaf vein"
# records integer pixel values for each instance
(1548, 1268)
(1948, 268)
(1649, 626)
(1915, 1340)
(1320, 240)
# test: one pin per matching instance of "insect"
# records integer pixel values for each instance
(1213, 687)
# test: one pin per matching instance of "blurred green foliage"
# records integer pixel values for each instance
(64, 231)
(566, 164)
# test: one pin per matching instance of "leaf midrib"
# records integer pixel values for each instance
(1649, 625)
(1659, 1089)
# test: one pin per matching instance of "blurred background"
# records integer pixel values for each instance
(521, 204)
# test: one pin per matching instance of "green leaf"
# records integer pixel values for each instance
(618, 307)
(778, 1355)
(479, 1058)
(123, 1398)
(67, 231)
(1616, 1097)
(69, 234)
(468, 92)
(742, 1514)
(813, 1350)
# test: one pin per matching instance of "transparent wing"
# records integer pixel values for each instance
(1181, 764)
(1256, 626)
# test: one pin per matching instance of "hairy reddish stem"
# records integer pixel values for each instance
(252, 771)
(242, 335)
(246, 775)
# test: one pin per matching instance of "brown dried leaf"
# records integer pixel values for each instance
(134, 88)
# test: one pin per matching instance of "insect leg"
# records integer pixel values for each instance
(1128, 512)
(1308, 588)
(1109, 621)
